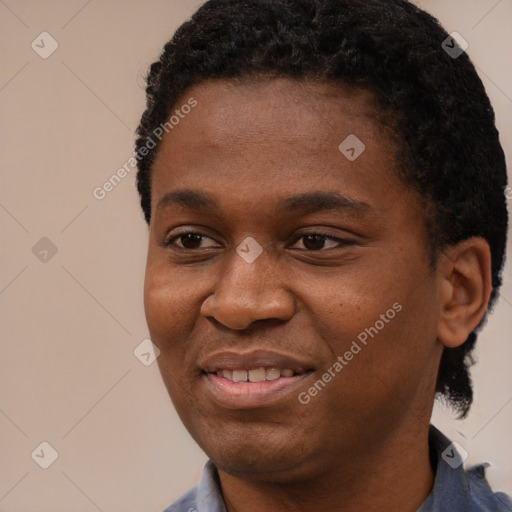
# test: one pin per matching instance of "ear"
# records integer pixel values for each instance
(464, 278)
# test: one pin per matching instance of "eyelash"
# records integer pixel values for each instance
(343, 242)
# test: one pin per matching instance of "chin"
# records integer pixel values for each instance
(240, 451)
(259, 466)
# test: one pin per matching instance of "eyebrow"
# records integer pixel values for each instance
(306, 203)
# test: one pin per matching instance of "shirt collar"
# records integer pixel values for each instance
(209, 494)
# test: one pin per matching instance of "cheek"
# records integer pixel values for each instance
(167, 307)
(391, 359)
(382, 321)
(347, 302)
(169, 323)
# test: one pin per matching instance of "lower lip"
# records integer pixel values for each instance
(249, 395)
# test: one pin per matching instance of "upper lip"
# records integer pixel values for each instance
(231, 360)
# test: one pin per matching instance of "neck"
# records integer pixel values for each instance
(395, 476)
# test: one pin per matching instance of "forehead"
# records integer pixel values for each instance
(262, 106)
(314, 96)
(252, 141)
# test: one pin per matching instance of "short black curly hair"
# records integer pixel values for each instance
(448, 146)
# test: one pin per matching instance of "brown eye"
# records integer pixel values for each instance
(318, 241)
(314, 242)
(191, 240)
(187, 241)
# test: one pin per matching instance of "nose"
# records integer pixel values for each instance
(249, 292)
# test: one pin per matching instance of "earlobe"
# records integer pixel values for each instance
(464, 276)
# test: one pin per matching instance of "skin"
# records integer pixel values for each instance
(249, 144)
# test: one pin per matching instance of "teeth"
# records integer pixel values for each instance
(239, 376)
(257, 375)
(273, 373)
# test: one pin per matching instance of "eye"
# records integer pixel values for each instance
(188, 240)
(191, 240)
(317, 241)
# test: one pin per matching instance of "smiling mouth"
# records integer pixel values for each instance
(253, 379)
(256, 374)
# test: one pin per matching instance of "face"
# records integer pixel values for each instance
(287, 283)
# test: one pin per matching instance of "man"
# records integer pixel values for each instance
(324, 187)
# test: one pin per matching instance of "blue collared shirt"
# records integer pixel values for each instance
(455, 489)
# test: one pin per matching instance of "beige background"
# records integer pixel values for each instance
(69, 325)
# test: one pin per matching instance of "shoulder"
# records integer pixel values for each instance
(206, 495)
(186, 503)
(465, 491)
(480, 493)
(458, 489)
